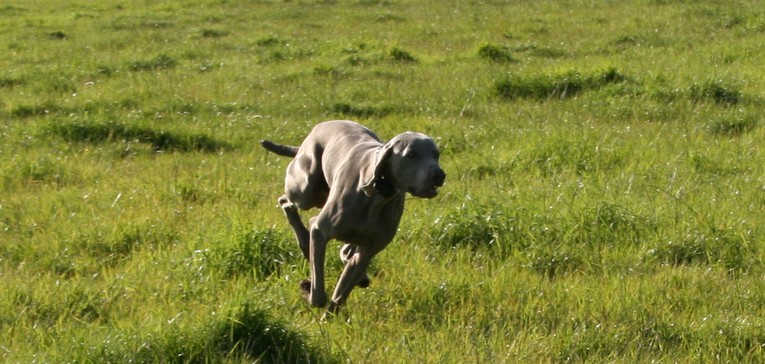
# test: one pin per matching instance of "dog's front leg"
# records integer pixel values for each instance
(314, 292)
(354, 273)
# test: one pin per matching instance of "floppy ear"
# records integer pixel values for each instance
(370, 175)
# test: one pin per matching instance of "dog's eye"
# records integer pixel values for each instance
(411, 155)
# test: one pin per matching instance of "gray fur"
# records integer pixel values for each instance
(359, 184)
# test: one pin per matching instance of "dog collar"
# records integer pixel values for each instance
(385, 188)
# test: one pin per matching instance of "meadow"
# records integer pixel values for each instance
(604, 197)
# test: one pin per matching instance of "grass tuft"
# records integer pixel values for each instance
(328, 71)
(716, 91)
(475, 226)
(270, 41)
(388, 17)
(261, 252)
(399, 55)
(12, 10)
(28, 111)
(495, 53)
(364, 111)
(245, 334)
(733, 125)
(57, 35)
(727, 248)
(40, 171)
(559, 86)
(582, 156)
(96, 133)
(10, 82)
(552, 261)
(543, 52)
(43, 170)
(253, 334)
(159, 62)
(214, 33)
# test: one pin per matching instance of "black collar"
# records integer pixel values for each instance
(385, 188)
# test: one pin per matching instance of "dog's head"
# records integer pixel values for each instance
(408, 163)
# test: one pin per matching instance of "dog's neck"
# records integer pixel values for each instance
(385, 188)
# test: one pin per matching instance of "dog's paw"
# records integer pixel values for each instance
(305, 288)
(364, 282)
(287, 205)
(316, 299)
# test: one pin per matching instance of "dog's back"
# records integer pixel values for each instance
(326, 148)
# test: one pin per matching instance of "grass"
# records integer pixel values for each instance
(96, 133)
(603, 198)
(495, 53)
(565, 85)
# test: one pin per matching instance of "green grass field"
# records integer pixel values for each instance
(604, 197)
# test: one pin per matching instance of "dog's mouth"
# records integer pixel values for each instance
(425, 193)
(430, 188)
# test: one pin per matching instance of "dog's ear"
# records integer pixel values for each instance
(371, 174)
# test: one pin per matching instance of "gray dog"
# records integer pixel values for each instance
(359, 184)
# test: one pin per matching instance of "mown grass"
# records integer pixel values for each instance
(603, 199)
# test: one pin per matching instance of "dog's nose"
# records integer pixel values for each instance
(438, 177)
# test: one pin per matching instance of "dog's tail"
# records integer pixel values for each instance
(282, 150)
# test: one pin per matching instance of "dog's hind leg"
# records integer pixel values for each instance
(293, 217)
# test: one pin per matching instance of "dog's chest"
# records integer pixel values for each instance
(365, 236)
(373, 226)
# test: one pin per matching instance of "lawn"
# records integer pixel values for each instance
(604, 197)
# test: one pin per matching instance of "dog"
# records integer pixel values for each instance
(359, 183)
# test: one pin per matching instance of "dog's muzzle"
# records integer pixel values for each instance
(437, 179)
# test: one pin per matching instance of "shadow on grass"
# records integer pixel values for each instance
(252, 334)
(10, 82)
(96, 133)
(365, 111)
(724, 247)
(27, 111)
(716, 91)
(495, 53)
(159, 62)
(554, 86)
(246, 335)
(734, 124)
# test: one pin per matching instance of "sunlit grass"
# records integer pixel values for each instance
(603, 199)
